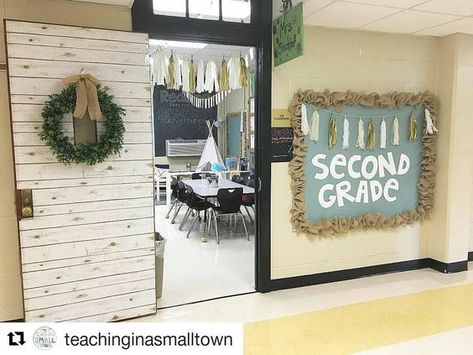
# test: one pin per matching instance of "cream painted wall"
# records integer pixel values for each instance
(50, 11)
(342, 60)
(450, 239)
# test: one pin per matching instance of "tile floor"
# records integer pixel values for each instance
(257, 306)
(195, 271)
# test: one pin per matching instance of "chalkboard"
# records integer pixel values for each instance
(176, 118)
(281, 139)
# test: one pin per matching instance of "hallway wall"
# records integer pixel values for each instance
(49, 11)
(346, 60)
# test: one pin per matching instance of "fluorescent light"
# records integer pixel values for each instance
(177, 44)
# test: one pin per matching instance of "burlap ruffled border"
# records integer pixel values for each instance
(338, 225)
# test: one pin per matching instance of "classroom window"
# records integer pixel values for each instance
(170, 8)
(204, 9)
(231, 11)
(236, 11)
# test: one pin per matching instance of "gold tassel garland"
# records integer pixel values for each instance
(412, 127)
(244, 74)
(224, 77)
(170, 79)
(332, 132)
(192, 76)
(371, 136)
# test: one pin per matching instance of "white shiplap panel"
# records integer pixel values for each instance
(115, 279)
(86, 272)
(48, 184)
(80, 43)
(41, 99)
(74, 195)
(87, 295)
(81, 218)
(42, 86)
(87, 248)
(74, 32)
(122, 203)
(60, 69)
(32, 139)
(54, 264)
(32, 113)
(90, 246)
(61, 171)
(35, 127)
(43, 154)
(75, 55)
(85, 232)
(91, 308)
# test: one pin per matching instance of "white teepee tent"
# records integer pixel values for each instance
(210, 154)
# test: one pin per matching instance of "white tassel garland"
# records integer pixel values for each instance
(382, 137)
(314, 127)
(430, 128)
(360, 143)
(395, 137)
(346, 134)
(304, 120)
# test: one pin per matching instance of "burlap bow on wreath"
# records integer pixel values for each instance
(86, 98)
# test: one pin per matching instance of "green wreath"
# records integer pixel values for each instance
(109, 143)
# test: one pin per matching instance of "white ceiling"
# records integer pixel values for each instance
(420, 17)
(126, 3)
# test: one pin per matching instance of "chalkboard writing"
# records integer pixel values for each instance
(281, 139)
(176, 118)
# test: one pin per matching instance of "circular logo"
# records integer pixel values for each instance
(44, 338)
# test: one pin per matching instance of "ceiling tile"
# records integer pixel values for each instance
(464, 25)
(311, 6)
(454, 7)
(127, 3)
(409, 21)
(348, 15)
(401, 4)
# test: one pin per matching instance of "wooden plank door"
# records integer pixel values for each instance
(88, 252)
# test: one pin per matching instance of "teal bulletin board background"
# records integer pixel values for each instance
(407, 195)
(234, 135)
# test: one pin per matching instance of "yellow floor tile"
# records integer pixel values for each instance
(362, 326)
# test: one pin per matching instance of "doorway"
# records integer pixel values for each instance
(255, 32)
(204, 144)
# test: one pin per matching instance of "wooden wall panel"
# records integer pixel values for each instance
(88, 253)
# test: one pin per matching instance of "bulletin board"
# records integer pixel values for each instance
(344, 187)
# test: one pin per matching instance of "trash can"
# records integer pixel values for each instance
(160, 243)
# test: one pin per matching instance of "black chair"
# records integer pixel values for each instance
(174, 191)
(248, 201)
(229, 201)
(195, 204)
(181, 199)
(238, 179)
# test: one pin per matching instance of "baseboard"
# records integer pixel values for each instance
(449, 268)
(350, 274)
(470, 256)
(13, 321)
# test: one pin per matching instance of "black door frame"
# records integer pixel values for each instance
(255, 34)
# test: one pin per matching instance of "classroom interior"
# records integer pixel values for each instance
(204, 141)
